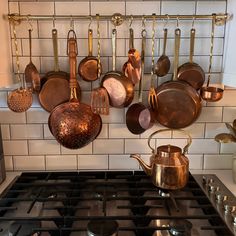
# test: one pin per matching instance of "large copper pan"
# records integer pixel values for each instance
(73, 124)
(179, 104)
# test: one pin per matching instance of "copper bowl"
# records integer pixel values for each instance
(211, 94)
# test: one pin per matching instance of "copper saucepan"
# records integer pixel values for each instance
(88, 67)
(139, 118)
(179, 104)
(210, 93)
(73, 124)
(191, 72)
(120, 89)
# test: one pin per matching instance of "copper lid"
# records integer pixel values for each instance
(169, 151)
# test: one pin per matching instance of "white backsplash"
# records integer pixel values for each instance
(28, 143)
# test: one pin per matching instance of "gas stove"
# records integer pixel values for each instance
(114, 203)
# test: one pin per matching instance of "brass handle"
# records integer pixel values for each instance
(176, 58)
(165, 41)
(131, 38)
(185, 149)
(192, 42)
(30, 44)
(113, 42)
(90, 42)
(55, 49)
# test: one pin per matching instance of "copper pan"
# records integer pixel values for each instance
(55, 85)
(191, 72)
(88, 67)
(73, 124)
(210, 93)
(139, 118)
(178, 102)
(120, 89)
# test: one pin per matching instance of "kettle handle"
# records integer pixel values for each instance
(185, 149)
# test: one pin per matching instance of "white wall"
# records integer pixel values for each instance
(28, 144)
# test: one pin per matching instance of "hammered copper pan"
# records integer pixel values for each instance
(55, 86)
(179, 103)
(73, 124)
(191, 72)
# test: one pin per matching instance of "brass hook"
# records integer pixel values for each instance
(177, 21)
(131, 21)
(90, 23)
(143, 22)
(193, 21)
(71, 23)
(166, 21)
(31, 26)
(53, 21)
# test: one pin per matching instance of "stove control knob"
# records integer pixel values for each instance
(220, 197)
(229, 206)
(213, 187)
(234, 219)
(206, 180)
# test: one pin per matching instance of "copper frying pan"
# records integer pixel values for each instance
(179, 103)
(88, 67)
(191, 72)
(55, 89)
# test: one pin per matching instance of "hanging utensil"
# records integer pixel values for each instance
(191, 72)
(225, 138)
(163, 63)
(152, 96)
(88, 67)
(99, 97)
(31, 72)
(209, 93)
(120, 89)
(19, 100)
(73, 124)
(138, 117)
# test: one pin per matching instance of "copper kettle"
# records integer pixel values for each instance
(169, 167)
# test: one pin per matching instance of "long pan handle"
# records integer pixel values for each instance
(165, 41)
(176, 57)
(131, 38)
(90, 42)
(55, 49)
(192, 42)
(113, 43)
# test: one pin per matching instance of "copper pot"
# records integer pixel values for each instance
(169, 167)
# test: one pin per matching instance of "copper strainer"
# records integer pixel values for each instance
(20, 99)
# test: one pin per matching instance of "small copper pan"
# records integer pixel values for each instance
(139, 118)
(191, 72)
(209, 93)
(88, 67)
(179, 103)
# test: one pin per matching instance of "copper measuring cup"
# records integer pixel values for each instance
(210, 93)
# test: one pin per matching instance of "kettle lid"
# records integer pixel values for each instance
(169, 151)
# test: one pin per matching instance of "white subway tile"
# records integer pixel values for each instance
(43, 147)
(47, 64)
(138, 146)
(29, 163)
(61, 162)
(227, 99)
(93, 162)
(35, 103)
(27, 131)
(217, 162)
(116, 115)
(36, 8)
(195, 130)
(8, 163)
(18, 147)
(104, 131)
(72, 8)
(180, 7)
(3, 99)
(122, 162)
(47, 133)
(36, 115)
(22, 30)
(229, 114)
(7, 117)
(13, 7)
(120, 131)
(141, 8)
(195, 162)
(227, 148)
(209, 7)
(155, 128)
(212, 129)
(207, 146)
(108, 146)
(210, 114)
(107, 8)
(5, 129)
(85, 150)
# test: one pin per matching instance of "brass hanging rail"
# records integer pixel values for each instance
(118, 19)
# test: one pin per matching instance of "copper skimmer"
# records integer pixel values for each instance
(99, 96)
(152, 96)
(19, 100)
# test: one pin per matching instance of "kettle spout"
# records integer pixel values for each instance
(145, 167)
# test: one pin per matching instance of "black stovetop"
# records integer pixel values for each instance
(64, 203)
